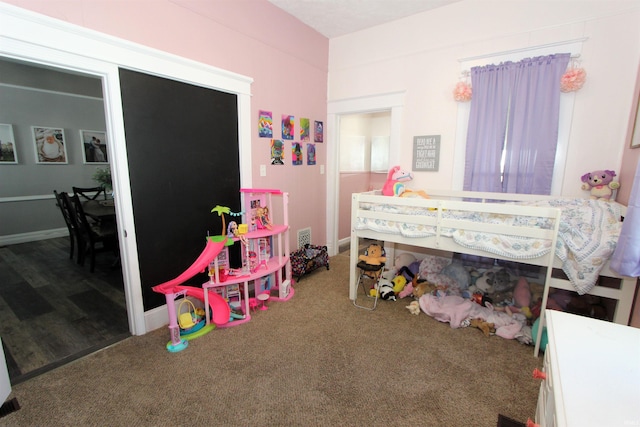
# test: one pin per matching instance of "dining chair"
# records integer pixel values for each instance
(90, 193)
(67, 214)
(92, 234)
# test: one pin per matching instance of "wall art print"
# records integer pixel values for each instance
(288, 127)
(305, 135)
(265, 124)
(94, 146)
(50, 145)
(318, 132)
(277, 152)
(311, 154)
(8, 153)
(296, 153)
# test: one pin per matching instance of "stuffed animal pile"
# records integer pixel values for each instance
(491, 299)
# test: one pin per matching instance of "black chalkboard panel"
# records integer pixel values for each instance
(183, 153)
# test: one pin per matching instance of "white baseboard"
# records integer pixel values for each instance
(156, 318)
(33, 236)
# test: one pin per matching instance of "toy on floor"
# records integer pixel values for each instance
(414, 307)
(422, 288)
(386, 291)
(600, 184)
(394, 185)
(174, 289)
(487, 328)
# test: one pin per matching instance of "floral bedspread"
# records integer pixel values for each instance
(589, 230)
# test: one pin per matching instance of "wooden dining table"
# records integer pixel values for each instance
(100, 210)
(104, 213)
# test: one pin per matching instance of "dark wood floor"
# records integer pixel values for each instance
(53, 310)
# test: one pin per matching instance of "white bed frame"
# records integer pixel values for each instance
(441, 200)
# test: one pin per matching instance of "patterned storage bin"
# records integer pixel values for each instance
(305, 260)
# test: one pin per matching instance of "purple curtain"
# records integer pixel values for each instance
(487, 126)
(517, 102)
(533, 125)
(626, 258)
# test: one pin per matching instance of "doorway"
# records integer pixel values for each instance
(38, 39)
(391, 104)
(364, 161)
(53, 310)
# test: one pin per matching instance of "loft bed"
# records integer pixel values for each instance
(544, 231)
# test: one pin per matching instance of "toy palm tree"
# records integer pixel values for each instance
(220, 210)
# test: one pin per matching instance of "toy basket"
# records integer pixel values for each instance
(187, 319)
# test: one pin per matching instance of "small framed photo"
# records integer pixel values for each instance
(318, 131)
(50, 145)
(94, 146)
(8, 153)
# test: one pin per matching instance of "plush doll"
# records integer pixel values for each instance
(486, 327)
(600, 184)
(386, 292)
(399, 283)
(500, 280)
(374, 255)
(484, 283)
(406, 291)
(394, 185)
(521, 299)
(413, 307)
(422, 288)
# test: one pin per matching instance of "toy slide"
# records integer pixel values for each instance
(219, 307)
(210, 251)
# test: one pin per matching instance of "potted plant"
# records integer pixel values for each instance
(103, 177)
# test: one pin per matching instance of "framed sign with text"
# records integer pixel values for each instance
(426, 153)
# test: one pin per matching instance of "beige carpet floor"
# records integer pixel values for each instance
(315, 360)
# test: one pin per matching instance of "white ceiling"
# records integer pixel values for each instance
(334, 18)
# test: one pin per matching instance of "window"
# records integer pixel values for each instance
(565, 110)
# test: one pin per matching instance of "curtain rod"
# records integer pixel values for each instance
(525, 49)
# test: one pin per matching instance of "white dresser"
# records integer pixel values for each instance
(592, 373)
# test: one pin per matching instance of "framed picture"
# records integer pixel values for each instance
(94, 146)
(318, 131)
(265, 124)
(50, 145)
(8, 153)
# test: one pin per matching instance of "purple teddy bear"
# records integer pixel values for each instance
(600, 183)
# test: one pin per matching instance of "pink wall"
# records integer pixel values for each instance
(286, 59)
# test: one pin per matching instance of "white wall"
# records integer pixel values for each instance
(421, 55)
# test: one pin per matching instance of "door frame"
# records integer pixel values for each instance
(35, 38)
(393, 102)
